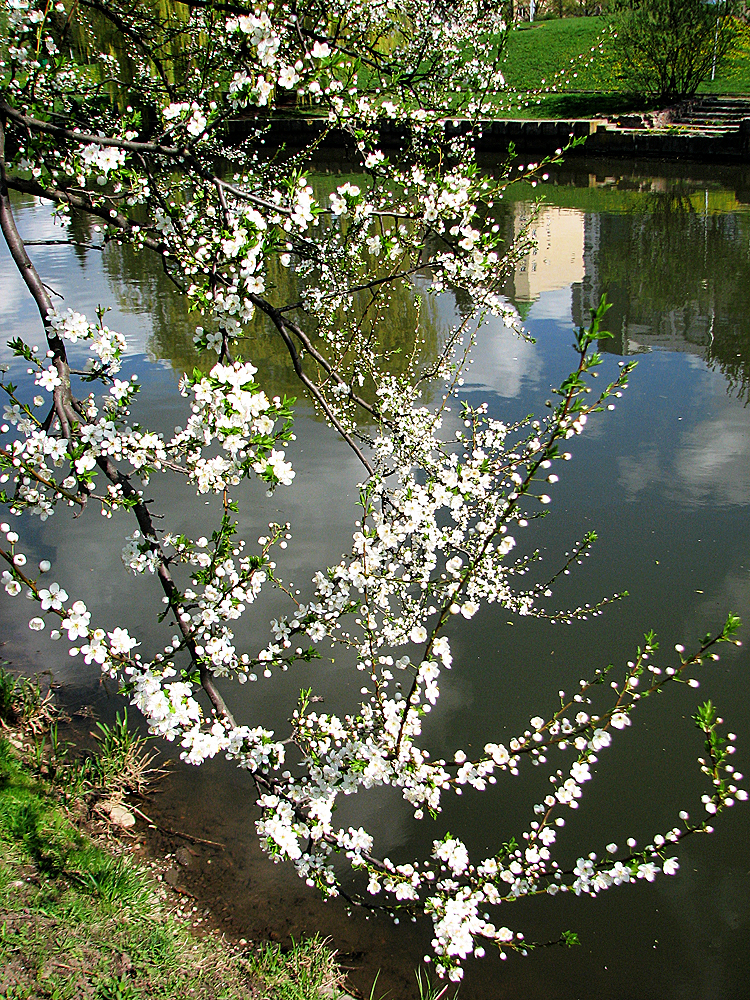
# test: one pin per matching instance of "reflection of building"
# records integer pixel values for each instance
(676, 272)
(615, 263)
(557, 260)
(588, 290)
(673, 260)
(679, 330)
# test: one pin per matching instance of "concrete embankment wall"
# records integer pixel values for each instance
(537, 137)
(600, 140)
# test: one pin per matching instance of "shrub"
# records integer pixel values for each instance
(669, 47)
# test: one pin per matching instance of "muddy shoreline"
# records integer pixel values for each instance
(202, 843)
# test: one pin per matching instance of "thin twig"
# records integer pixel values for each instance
(175, 833)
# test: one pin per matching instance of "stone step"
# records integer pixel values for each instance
(710, 99)
(707, 109)
(696, 116)
(707, 123)
(720, 109)
(723, 108)
(713, 115)
(739, 109)
(707, 126)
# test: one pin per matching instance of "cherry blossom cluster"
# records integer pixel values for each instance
(227, 407)
(180, 164)
(106, 344)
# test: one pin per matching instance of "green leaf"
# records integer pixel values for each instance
(731, 627)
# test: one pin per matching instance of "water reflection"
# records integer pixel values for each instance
(694, 462)
(674, 266)
(665, 481)
(556, 261)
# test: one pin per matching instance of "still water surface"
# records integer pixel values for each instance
(665, 482)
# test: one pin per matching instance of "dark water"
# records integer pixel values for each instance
(665, 482)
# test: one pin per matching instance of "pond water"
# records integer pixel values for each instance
(664, 481)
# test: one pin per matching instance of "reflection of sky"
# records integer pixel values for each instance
(664, 480)
(698, 452)
(552, 305)
(503, 362)
(82, 287)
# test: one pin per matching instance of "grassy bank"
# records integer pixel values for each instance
(571, 54)
(575, 55)
(81, 920)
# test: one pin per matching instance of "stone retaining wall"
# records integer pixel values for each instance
(538, 137)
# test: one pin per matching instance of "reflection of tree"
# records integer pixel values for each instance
(678, 278)
(408, 324)
(405, 324)
(142, 288)
(81, 232)
(730, 354)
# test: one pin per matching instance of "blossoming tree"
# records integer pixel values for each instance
(150, 118)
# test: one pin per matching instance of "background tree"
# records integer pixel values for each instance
(669, 47)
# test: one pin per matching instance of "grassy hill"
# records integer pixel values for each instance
(575, 58)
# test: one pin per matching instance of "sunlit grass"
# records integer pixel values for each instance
(299, 973)
(558, 54)
(543, 52)
(78, 921)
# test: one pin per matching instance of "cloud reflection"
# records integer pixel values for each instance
(707, 461)
(555, 304)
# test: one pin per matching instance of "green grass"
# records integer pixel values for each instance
(569, 106)
(23, 701)
(574, 57)
(734, 77)
(298, 974)
(77, 921)
(553, 51)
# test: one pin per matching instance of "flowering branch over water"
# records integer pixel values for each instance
(163, 142)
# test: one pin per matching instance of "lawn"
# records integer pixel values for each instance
(569, 54)
(567, 69)
(80, 920)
